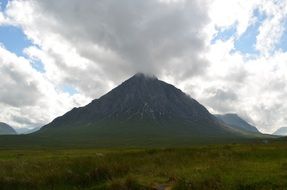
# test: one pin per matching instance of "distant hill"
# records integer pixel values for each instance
(27, 130)
(5, 129)
(141, 110)
(237, 122)
(281, 131)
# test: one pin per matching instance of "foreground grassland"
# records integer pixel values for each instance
(236, 166)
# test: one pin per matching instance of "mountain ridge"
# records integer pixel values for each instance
(282, 131)
(236, 121)
(6, 129)
(140, 90)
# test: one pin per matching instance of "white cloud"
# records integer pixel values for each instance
(250, 85)
(233, 12)
(137, 36)
(272, 28)
(27, 98)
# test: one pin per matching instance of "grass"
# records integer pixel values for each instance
(233, 166)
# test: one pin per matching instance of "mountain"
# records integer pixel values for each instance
(142, 109)
(281, 131)
(237, 122)
(27, 130)
(5, 129)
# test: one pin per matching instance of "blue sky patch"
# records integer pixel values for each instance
(283, 41)
(38, 65)
(69, 89)
(225, 34)
(3, 4)
(246, 42)
(14, 39)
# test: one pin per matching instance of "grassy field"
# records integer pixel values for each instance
(234, 166)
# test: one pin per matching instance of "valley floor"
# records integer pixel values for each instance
(234, 166)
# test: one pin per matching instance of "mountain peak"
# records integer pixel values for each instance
(144, 76)
(142, 97)
(232, 115)
(141, 84)
(235, 120)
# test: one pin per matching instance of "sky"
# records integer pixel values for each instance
(231, 55)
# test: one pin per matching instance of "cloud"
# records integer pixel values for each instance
(272, 28)
(233, 12)
(27, 98)
(19, 87)
(119, 38)
(222, 100)
(254, 88)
